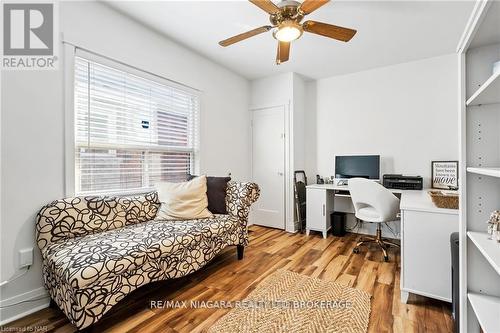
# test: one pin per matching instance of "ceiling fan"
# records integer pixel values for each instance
(286, 17)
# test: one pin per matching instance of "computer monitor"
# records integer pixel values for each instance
(364, 166)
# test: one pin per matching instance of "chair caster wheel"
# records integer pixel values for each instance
(386, 258)
(355, 250)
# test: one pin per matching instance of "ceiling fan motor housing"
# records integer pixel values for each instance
(289, 11)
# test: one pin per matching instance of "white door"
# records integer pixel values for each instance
(268, 165)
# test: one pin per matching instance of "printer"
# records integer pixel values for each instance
(402, 182)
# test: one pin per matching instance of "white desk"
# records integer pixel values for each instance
(425, 236)
(425, 246)
(343, 187)
(322, 200)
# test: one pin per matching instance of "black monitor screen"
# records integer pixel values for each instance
(364, 166)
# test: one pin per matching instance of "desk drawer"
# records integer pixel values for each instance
(426, 256)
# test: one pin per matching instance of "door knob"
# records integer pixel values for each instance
(280, 173)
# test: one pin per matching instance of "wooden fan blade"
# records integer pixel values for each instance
(310, 6)
(266, 5)
(245, 35)
(329, 30)
(283, 52)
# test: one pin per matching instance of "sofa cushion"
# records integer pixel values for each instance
(83, 261)
(183, 201)
(216, 193)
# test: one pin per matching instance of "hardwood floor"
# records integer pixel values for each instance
(226, 278)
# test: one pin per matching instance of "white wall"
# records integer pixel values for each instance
(271, 91)
(299, 109)
(32, 175)
(310, 125)
(406, 113)
(32, 127)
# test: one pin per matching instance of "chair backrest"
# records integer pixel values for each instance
(368, 193)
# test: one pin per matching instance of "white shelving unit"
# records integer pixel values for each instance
(479, 116)
(493, 172)
(488, 311)
(488, 248)
(487, 93)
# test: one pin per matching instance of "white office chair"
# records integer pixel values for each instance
(373, 203)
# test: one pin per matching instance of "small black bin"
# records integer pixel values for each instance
(338, 223)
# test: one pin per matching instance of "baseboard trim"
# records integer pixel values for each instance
(41, 301)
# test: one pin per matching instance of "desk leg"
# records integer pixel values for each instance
(404, 296)
(307, 232)
(324, 234)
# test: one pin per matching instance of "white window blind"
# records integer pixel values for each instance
(130, 131)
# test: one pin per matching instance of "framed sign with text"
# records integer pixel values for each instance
(445, 175)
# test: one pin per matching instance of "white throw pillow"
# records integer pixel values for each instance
(183, 201)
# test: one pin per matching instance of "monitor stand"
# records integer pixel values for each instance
(343, 182)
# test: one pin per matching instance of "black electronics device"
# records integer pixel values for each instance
(402, 182)
(362, 166)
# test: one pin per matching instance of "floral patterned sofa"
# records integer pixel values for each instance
(96, 250)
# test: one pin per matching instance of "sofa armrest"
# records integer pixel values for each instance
(239, 198)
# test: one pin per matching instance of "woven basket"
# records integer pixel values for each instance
(444, 200)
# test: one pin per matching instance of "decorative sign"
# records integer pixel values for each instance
(445, 175)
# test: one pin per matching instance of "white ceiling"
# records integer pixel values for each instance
(389, 32)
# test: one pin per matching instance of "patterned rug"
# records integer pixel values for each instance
(290, 302)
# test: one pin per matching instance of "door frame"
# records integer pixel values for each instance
(288, 200)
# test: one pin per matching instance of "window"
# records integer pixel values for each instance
(130, 131)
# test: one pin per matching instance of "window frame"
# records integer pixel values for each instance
(71, 52)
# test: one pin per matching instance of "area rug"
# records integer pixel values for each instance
(290, 302)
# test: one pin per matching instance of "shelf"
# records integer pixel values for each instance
(487, 309)
(493, 172)
(489, 248)
(487, 93)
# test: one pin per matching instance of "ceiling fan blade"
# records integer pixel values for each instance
(245, 35)
(329, 30)
(283, 52)
(266, 5)
(310, 6)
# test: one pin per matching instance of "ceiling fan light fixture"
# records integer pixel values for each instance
(285, 17)
(288, 31)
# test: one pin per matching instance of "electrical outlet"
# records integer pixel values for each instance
(25, 257)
